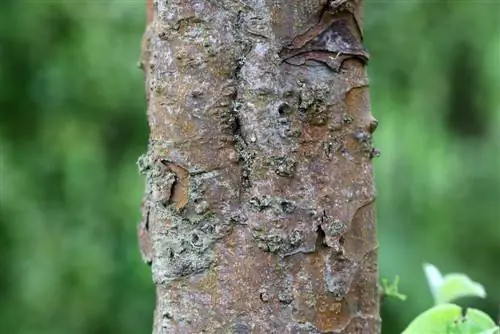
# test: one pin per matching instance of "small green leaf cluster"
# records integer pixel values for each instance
(448, 318)
(391, 289)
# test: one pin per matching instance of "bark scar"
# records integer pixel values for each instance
(335, 38)
(179, 193)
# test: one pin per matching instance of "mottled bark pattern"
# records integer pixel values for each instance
(258, 213)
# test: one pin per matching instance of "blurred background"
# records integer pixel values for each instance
(73, 122)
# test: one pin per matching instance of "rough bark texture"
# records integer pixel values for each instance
(258, 213)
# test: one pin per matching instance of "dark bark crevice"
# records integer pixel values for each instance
(320, 239)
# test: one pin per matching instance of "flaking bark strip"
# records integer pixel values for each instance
(180, 189)
(339, 274)
(331, 41)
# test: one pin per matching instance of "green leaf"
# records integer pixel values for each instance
(495, 330)
(434, 278)
(436, 320)
(480, 322)
(451, 286)
(448, 319)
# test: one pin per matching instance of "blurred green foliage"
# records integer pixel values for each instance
(72, 123)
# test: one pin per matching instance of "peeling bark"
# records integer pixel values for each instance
(258, 212)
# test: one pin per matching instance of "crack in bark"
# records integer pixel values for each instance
(320, 238)
(240, 145)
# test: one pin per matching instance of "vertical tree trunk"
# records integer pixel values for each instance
(258, 213)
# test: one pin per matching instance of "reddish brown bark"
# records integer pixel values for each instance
(258, 214)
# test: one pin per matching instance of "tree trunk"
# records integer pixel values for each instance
(258, 213)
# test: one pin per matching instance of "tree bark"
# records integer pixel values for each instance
(258, 215)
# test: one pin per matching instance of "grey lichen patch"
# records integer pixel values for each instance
(181, 236)
(209, 47)
(260, 203)
(315, 113)
(303, 328)
(237, 217)
(333, 227)
(271, 243)
(333, 145)
(285, 293)
(334, 230)
(289, 127)
(246, 158)
(162, 188)
(278, 242)
(283, 166)
(162, 184)
(375, 153)
(143, 163)
(183, 241)
(364, 138)
(184, 246)
(197, 188)
(188, 28)
(312, 104)
(158, 86)
(201, 208)
(177, 261)
(197, 219)
(293, 130)
(277, 204)
(255, 26)
(310, 299)
(347, 119)
(159, 179)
